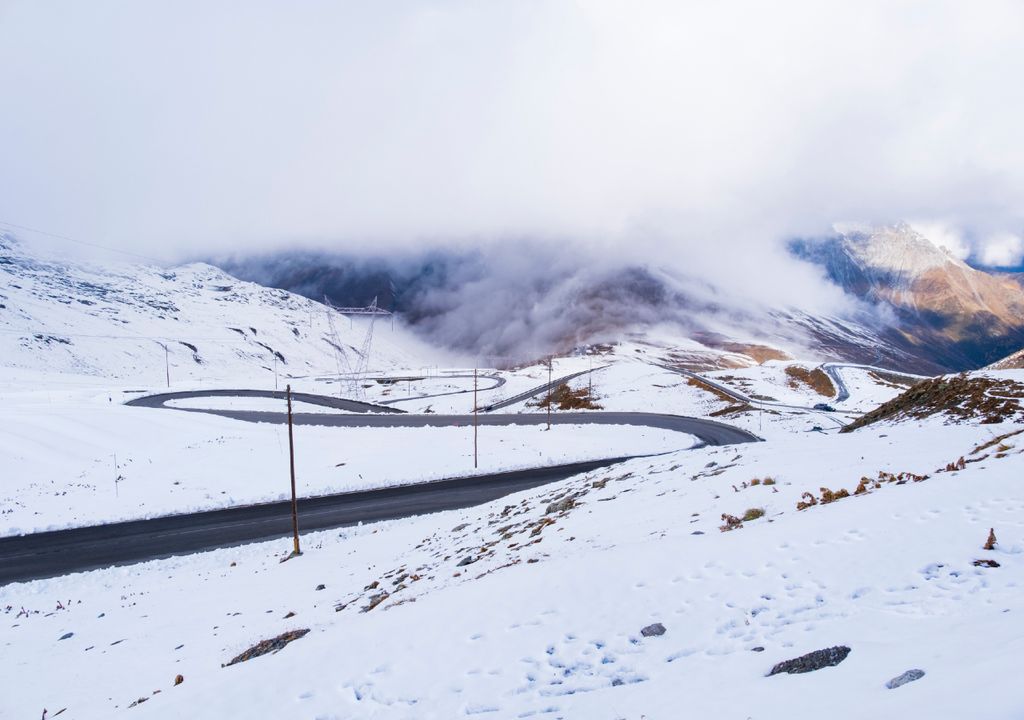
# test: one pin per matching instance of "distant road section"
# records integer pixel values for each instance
(710, 432)
(322, 400)
(532, 392)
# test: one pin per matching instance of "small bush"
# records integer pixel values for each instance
(990, 544)
(731, 522)
(827, 496)
(753, 514)
(806, 500)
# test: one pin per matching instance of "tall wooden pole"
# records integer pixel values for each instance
(550, 392)
(475, 423)
(291, 459)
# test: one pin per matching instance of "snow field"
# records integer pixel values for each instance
(547, 624)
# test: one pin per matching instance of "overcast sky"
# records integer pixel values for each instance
(697, 132)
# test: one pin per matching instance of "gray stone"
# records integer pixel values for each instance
(757, 649)
(812, 661)
(908, 676)
(653, 630)
(65, 636)
(468, 560)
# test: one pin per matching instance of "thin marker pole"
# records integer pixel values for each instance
(291, 459)
(475, 422)
(167, 364)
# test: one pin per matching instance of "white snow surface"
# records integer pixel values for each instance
(548, 625)
(115, 321)
(543, 617)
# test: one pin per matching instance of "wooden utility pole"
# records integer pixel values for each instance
(551, 391)
(475, 423)
(291, 459)
(167, 362)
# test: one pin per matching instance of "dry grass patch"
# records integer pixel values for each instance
(564, 397)
(816, 379)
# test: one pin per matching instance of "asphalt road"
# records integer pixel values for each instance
(546, 387)
(754, 403)
(709, 431)
(48, 554)
(498, 382)
(56, 553)
(322, 400)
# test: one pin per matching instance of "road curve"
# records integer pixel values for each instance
(322, 400)
(753, 402)
(709, 432)
(498, 382)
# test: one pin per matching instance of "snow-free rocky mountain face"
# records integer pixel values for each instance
(114, 321)
(947, 311)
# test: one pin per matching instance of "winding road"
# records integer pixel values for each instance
(47, 554)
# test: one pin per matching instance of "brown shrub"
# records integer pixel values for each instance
(807, 500)
(827, 496)
(731, 522)
(990, 544)
(752, 514)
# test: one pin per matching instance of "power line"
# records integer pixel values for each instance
(79, 242)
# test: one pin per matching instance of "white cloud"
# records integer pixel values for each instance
(681, 133)
(944, 235)
(1002, 250)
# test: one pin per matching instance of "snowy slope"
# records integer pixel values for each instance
(114, 322)
(546, 623)
(530, 606)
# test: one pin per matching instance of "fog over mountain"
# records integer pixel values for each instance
(918, 300)
(694, 136)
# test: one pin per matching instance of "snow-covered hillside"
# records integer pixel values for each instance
(533, 606)
(640, 590)
(115, 321)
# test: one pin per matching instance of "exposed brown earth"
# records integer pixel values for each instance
(816, 379)
(959, 397)
(891, 379)
(565, 398)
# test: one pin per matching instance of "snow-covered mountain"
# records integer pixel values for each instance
(489, 303)
(955, 315)
(115, 321)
